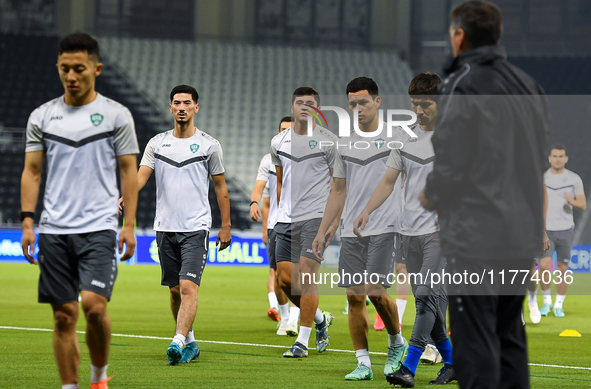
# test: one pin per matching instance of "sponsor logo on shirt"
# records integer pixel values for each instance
(191, 275)
(96, 119)
(98, 283)
(56, 118)
(194, 147)
(166, 145)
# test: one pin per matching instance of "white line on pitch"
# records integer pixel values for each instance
(253, 344)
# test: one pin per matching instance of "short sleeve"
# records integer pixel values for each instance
(148, 158)
(34, 134)
(274, 156)
(395, 160)
(331, 156)
(340, 167)
(266, 190)
(125, 137)
(578, 186)
(216, 162)
(263, 172)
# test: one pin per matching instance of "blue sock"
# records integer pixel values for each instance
(445, 350)
(412, 358)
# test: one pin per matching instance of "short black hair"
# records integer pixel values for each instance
(285, 119)
(424, 84)
(78, 41)
(185, 89)
(482, 22)
(363, 83)
(305, 91)
(558, 146)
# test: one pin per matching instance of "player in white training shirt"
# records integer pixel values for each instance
(304, 170)
(266, 186)
(83, 135)
(565, 193)
(183, 159)
(360, 165)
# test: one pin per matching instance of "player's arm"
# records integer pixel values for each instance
(579, 202)
(30, 182)
(266, 207)
(332, 214)
(279, 171)
(546, 244)
(380, 194)
(221, 191)
(255, 197)
(129, 189)
(334, 226)
(143, 175)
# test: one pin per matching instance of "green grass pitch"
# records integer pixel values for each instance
(232, 308)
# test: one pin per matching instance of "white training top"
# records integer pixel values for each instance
(267, 173)
(306, 162)
(417, 162)
(81, 145)
(183, 167)
(362, 162)
(560, 213)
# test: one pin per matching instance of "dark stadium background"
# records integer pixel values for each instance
(261, 50)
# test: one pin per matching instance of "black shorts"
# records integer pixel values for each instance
(562, 243)
(183, 255)
(371, 255)
(294, 240)
(74, 262)
(271, 236)
(398, 249)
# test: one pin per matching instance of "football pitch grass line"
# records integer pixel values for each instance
(252, 344)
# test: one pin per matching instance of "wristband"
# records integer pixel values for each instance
(27, 214)
(254, 202)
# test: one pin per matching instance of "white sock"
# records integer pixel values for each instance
(363, 357)
(401, 304)
(318, 317)
(70, 386)
(304, 335)
(179, 339)
(547, 296)
(97, 374)
(559, 300)
(294, 315)
(284, 312)
(190, 337)
(532, 297)
(395, 340)
(273, 303)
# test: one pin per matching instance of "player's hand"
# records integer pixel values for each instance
(265, 236)
(120, 205)
(224, 238)
(255, 212)
(127, 237)
(546, 242)
(28, 243)
(360, 222)
(425, 202)
(318, 246)
(568, 197)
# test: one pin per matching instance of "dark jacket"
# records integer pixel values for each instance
(490, 153)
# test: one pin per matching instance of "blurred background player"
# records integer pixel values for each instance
(278, 301)
(184, 158)
(357, 172)
(565, 192)
(83, 135)
(304, 171)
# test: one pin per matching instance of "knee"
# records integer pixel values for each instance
(356, 300)
(284, 279)
(95, 314)
(378, 300)
(175, 293)
(64, 320)
(188, 289)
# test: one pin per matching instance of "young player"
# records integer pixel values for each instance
(565, 193)
(184, 158)
(420, 238)
(83, 135)
(304, 170)
(267, 177)
(357, 172)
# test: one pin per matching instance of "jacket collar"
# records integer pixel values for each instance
(479, 55)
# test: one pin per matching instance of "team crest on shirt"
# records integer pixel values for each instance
(313, 144)
(194, 147)
(96, 119)
(379, 142)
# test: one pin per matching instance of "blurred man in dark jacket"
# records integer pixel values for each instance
(487, 187)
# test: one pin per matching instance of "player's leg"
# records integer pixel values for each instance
(402, 288)
(58, 285)
(175, 301)
(281, 297)
(545, 268)
(532, 298)
(564, 245)
(273, 311)
(275, 294)
(308, 299)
